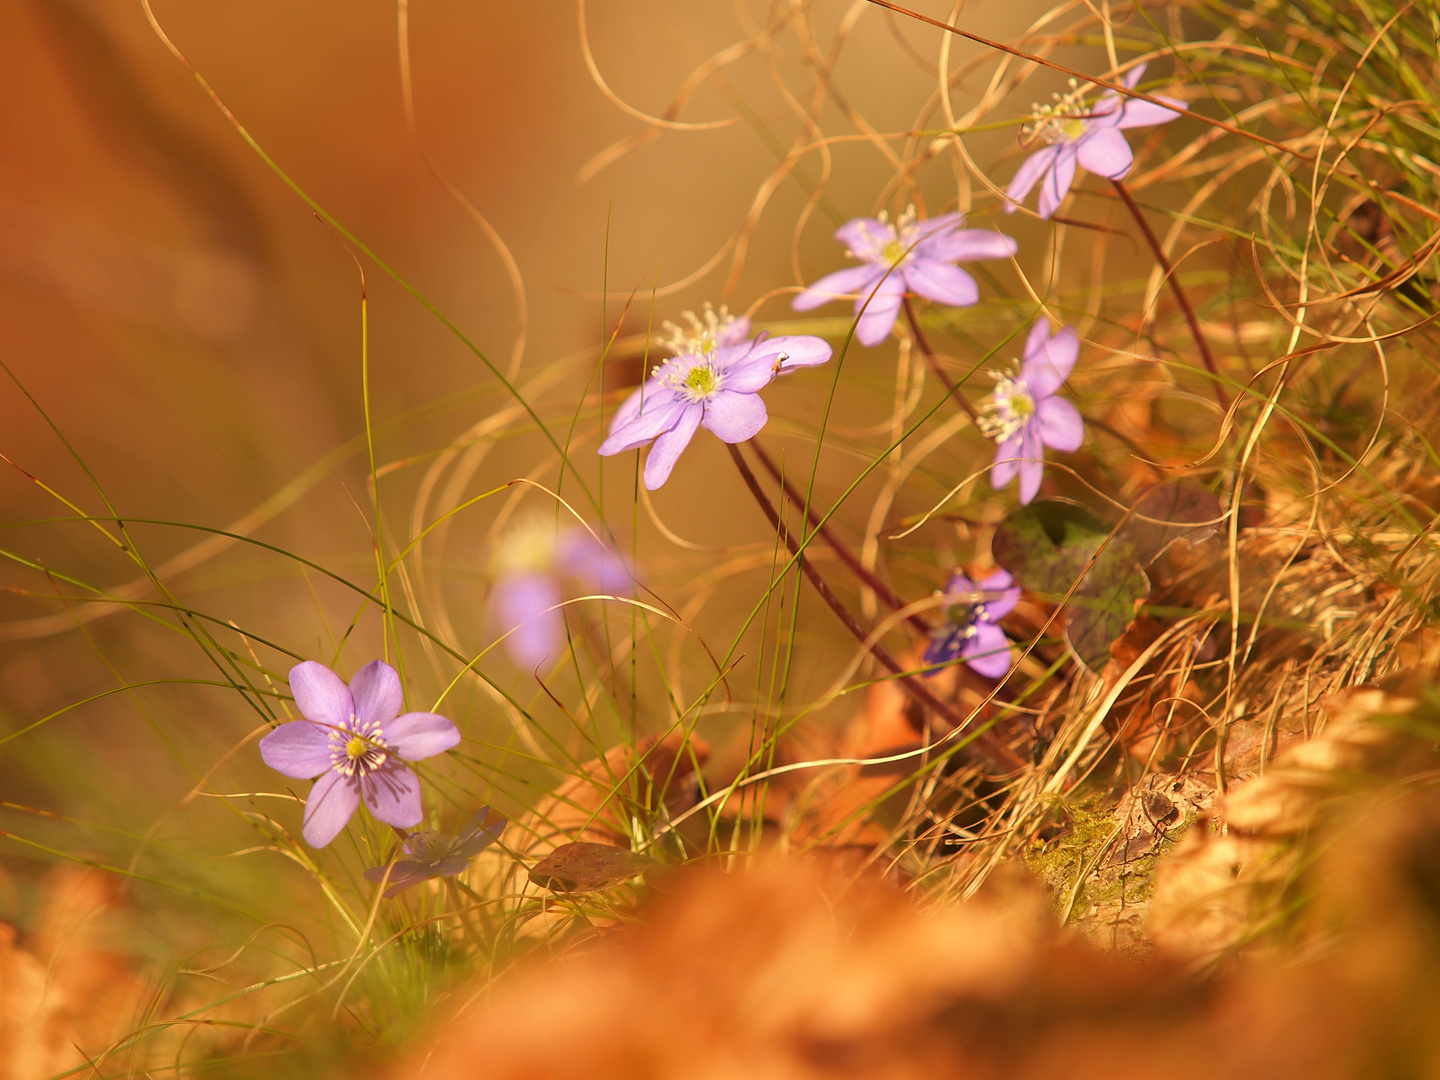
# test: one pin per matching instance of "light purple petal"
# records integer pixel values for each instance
(881, 310)
(837, 286)
(332, 800)
(299, 749)
(593, 563)
(629, 409)
(932, 228)
(799, 350)
(662, 410)
(942, 282)
(1032, 463)
(669, 446)
(754, 371)
(1059, 424)
(1131, 78)
(1047, 366)
(737, 332)
(1056, 184)
(1105, 152)
(1005, 594)
(967, 245)
(959, 583)
(988, 652)
(392, 794)
(526, 603)
(419, 735)
(402, 869)
(865, 237)
(377, 693)
(320, 695)
(1138, 113)
(735, 417)
(1007, 461)
(1031, 169)
(488, 827)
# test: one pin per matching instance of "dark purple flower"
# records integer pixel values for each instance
(970, 633)
(1087, 136)
(355, 741)
(1024, 416)
(715, 382)
(531, 565)
(909, 254)
(434, 854)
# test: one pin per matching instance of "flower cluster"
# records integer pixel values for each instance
(716, 381)
(355, 740)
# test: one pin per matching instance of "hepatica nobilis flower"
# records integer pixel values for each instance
(906, 255)
(433, 854)
(714, 379)
(1024, 415)
(532, 563)
(355, 740)
(970, 633)
(1087, 136)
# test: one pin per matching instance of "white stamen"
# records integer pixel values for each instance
(1009, 408)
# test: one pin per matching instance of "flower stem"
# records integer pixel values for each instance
(845, 555)
(1180, 297)
(960, 398)
(988, 744)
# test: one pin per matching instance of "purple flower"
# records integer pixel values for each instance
(970, 633)
(1024, 416)
(433, 854)
(355, 740)
(531, 565)
(909, 254)
(714, 379)
(1086, 136)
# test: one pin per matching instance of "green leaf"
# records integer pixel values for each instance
(1054, 545)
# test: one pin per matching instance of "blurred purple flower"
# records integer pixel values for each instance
(970, 633)
(531, 564)
(354, 740)
(433, 854)
(713, 380)
(909, 254)
(1087, 136)
(1024, 416)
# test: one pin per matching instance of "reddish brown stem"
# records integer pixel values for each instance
(988, 744)
(1180, 297)
(843, 553)
(960, 398)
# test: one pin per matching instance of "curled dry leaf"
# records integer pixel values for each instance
(587, 867)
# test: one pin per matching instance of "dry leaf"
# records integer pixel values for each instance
(587, 867)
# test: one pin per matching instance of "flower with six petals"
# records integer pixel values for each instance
(1080, 135)
(716, 382)
(355, 740)
(1024, 415)
(907, 255)
(970, 633)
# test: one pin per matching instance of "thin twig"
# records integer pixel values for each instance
(1180, 297)
(960, 398)
(992, 747)
(845, 555)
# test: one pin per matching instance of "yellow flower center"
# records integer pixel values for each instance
(355, 748)
(701, 380)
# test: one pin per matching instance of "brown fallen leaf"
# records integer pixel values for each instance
(587, 867)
